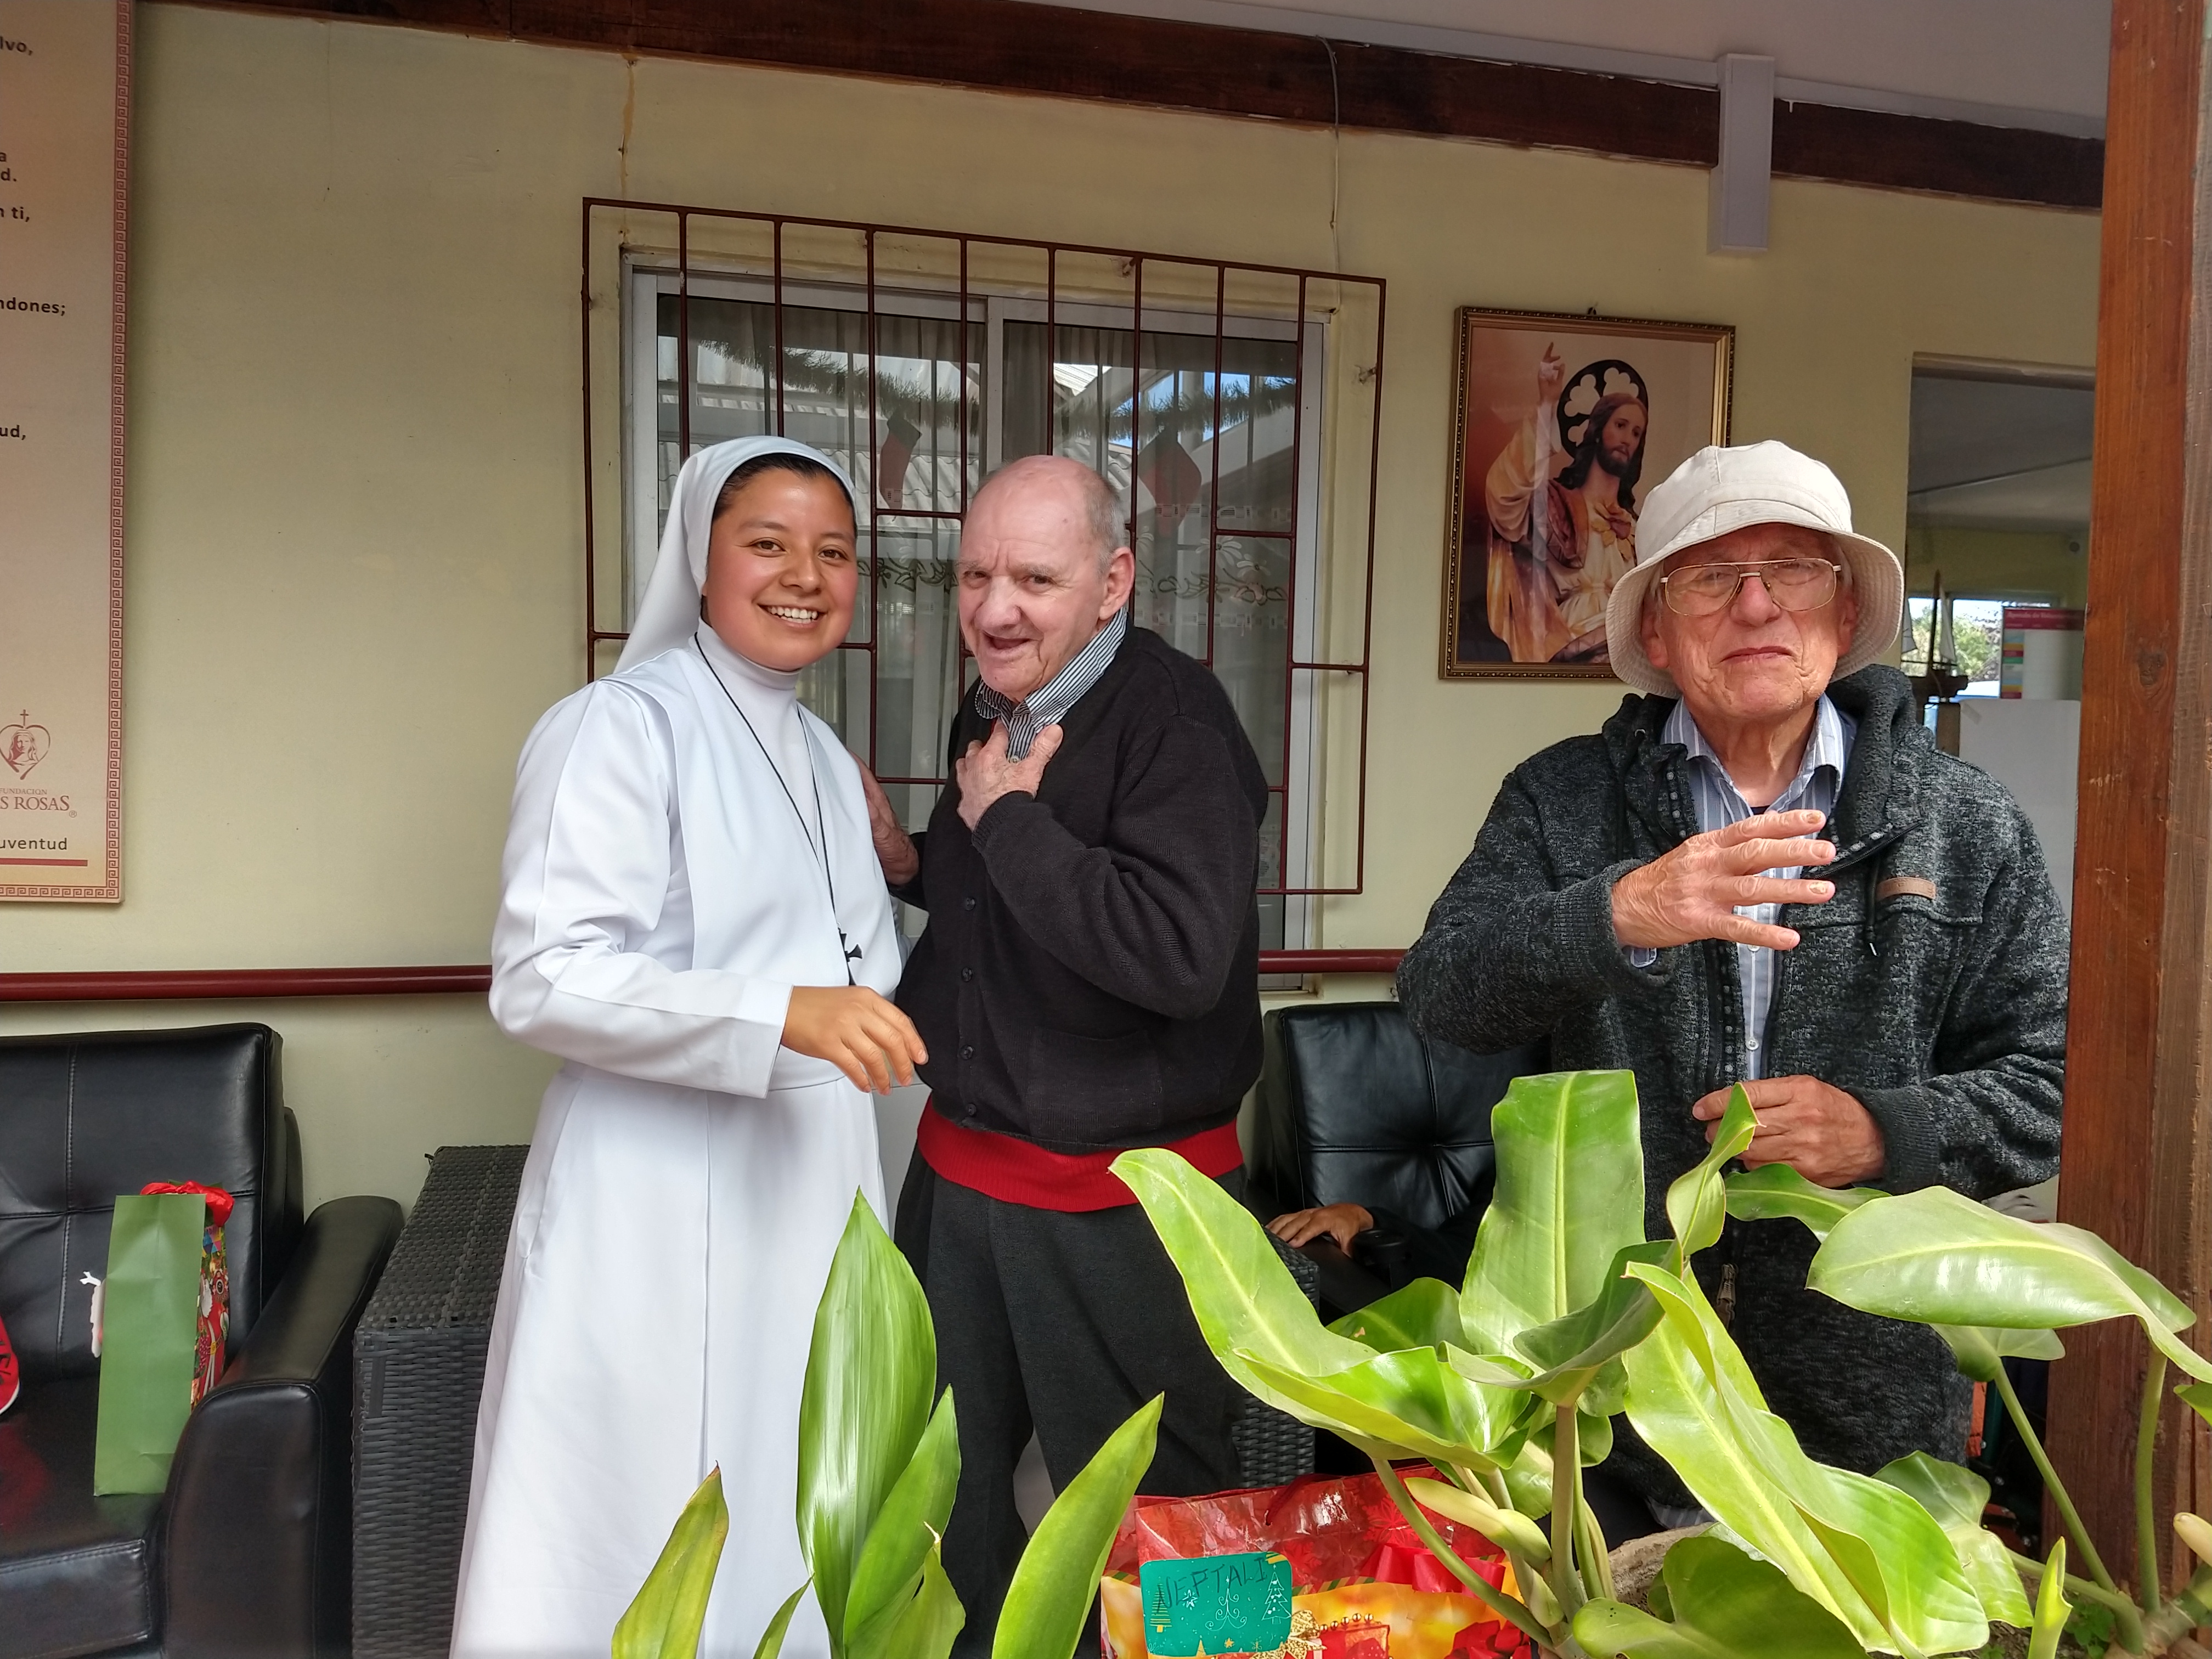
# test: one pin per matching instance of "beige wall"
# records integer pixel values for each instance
(2024, 564)
(356, 575)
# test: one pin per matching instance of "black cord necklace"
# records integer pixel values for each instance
(852, 952)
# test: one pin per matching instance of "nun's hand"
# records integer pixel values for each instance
(864, 1036)
(985, 773)
(894, 848)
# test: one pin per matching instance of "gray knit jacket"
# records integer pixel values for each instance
(1946, 1017)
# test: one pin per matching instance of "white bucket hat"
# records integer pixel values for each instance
(1719, 489)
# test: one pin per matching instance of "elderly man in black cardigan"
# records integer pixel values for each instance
(1088, 981)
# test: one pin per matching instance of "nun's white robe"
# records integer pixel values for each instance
(688, 1178)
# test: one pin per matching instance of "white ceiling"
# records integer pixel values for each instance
(2029, 63)
(2003, 452)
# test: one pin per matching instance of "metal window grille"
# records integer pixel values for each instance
(1235, 408)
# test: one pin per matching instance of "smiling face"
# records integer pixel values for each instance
(1753, 661)
(1034, 587)
(780, 571)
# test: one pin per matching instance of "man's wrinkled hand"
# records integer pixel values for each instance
(1341, 1222)
(984, 774)
(1692, 892)
(1814, 1127)
(894, 848)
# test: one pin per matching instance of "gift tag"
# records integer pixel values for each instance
(1215, 1604)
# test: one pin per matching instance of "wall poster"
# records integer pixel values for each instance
(1564, 422)
(64, 110)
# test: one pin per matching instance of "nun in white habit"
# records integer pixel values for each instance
(694, 920)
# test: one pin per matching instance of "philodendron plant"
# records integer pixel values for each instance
(878, 1470)
(1508, 1384)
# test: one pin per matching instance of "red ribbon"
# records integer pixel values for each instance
(219, 1202)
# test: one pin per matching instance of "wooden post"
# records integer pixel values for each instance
(2137, 1131)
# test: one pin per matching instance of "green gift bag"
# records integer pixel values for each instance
(149, 1336)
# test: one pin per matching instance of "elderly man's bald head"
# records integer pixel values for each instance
(1042, 569)
(1092, 499)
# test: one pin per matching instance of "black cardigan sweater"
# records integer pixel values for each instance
(1089, 975)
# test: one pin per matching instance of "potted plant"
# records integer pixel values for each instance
(879, 1464)
(1509, 1383)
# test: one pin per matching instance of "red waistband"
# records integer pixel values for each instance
(1016, 1171)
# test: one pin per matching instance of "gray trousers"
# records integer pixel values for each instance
(1064, 1325)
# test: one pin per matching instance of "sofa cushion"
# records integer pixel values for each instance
(1356, 1106)
(77, 1573)
(93, 1115)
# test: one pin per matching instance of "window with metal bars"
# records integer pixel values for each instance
(1232, 407)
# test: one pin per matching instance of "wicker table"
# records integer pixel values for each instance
(418, 1371)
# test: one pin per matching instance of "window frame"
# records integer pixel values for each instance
(639, 266)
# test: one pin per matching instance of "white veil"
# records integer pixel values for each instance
(670, 613)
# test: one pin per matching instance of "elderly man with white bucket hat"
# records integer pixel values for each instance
(1763, 871)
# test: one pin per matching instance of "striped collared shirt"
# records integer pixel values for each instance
(1049, 704)
(1719, 803)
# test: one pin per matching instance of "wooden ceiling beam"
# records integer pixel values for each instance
(1000, 46)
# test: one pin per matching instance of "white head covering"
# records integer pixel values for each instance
(670, 613)
(1717, 490)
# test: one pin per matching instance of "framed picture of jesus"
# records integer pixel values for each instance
(1564, 424)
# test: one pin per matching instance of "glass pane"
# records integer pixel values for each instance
(905, 462)
(918, 657)
(1151, 429)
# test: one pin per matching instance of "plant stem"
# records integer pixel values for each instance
(1505, 1607)
(1566, 1501)
(2125, 1614)
(2147, 1584)
(2056, 1488)
(1597, 1562)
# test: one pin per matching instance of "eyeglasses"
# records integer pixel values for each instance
(1793, 584)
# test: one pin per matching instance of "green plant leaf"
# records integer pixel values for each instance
(1865, 1551)
(1724, 1605)
(1048, 1603)
(1265, 1333)
(2198, 1396)
(1569, 1199)
(664, 1620)
(1776, 1191)
(1697, 1201)
(1571, 1352)
(1243, 1297)
(870, 1375)
(1981, 1350)
(771, 1642)
(1411, 1403)
(904, 1537)
(2051, 1606)
(1938, 1258)
(1958, 1497)
(924, 1626)
(1509, 1528)
(2193, 1531)
(1420, 1315)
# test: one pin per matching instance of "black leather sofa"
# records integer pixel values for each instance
(248, 1552)
(1356, 1106)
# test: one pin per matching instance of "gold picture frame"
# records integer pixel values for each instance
(1524, 590)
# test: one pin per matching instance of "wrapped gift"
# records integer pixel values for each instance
(164, 1313)
(1320, 1568)
(213, 1332)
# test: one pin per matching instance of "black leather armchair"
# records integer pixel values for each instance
(1354, 1107)
(247, 1553)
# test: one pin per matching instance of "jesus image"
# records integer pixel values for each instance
(1555, 552)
